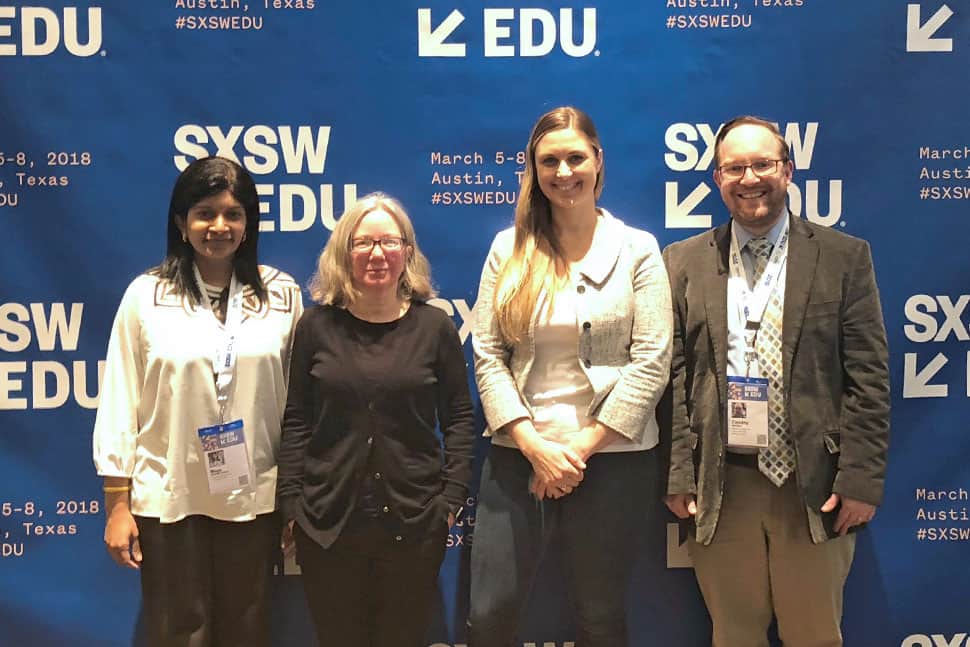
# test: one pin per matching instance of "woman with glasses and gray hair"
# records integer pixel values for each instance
(367, 488)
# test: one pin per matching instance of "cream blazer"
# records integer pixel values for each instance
(624, 325)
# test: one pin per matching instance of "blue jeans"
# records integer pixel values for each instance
(599, 525)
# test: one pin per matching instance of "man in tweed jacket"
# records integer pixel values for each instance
(760, 548)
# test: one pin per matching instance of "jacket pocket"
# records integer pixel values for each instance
(822, 309)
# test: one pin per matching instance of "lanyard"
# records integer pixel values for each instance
(754, 301)
(224, 354)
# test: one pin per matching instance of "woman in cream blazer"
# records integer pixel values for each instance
(572, 353)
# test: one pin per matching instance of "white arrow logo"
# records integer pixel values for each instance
(678, 214)
(431, 42)
(916, 383)
(919, 38)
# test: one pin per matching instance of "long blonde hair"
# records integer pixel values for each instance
(332, 284)
(537, 262)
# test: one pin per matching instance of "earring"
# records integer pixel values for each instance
(185, 238)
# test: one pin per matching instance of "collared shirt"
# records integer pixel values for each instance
(736, 346)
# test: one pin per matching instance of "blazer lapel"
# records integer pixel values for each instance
(715, 304)
(608, 241)
(800, 273)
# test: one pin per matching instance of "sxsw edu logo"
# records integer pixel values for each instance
(39, 31)
(512, 33)
(936, 640)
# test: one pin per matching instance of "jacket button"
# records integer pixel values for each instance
(587, 325)
(370, 440)
(580, 288)
(377, 475)
(587, 363)
(398, 538)
(386, 509)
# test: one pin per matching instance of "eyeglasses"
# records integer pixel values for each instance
(761, 168)
(366, 245)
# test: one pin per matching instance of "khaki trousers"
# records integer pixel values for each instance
(762, 561)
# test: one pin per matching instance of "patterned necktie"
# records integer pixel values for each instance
(777, 461)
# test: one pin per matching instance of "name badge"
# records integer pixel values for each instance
(226, 458)
(747, 411)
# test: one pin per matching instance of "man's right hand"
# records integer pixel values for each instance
(682, 505)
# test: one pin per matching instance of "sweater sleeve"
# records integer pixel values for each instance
(455, 415)
(297, 419)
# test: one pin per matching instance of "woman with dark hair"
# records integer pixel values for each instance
(366, 484)
(572, 353)
(188, 427)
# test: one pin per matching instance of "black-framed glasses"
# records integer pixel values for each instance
(387, 243)
(761, 168)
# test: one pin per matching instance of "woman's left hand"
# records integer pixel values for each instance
(546, 489)
(584, 443)
(543, 490)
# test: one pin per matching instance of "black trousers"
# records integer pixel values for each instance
(598, 524)
(368, 589)
(205, 582)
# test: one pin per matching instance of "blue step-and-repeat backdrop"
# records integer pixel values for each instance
(101, 105)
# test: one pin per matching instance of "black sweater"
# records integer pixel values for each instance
(363, 402)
